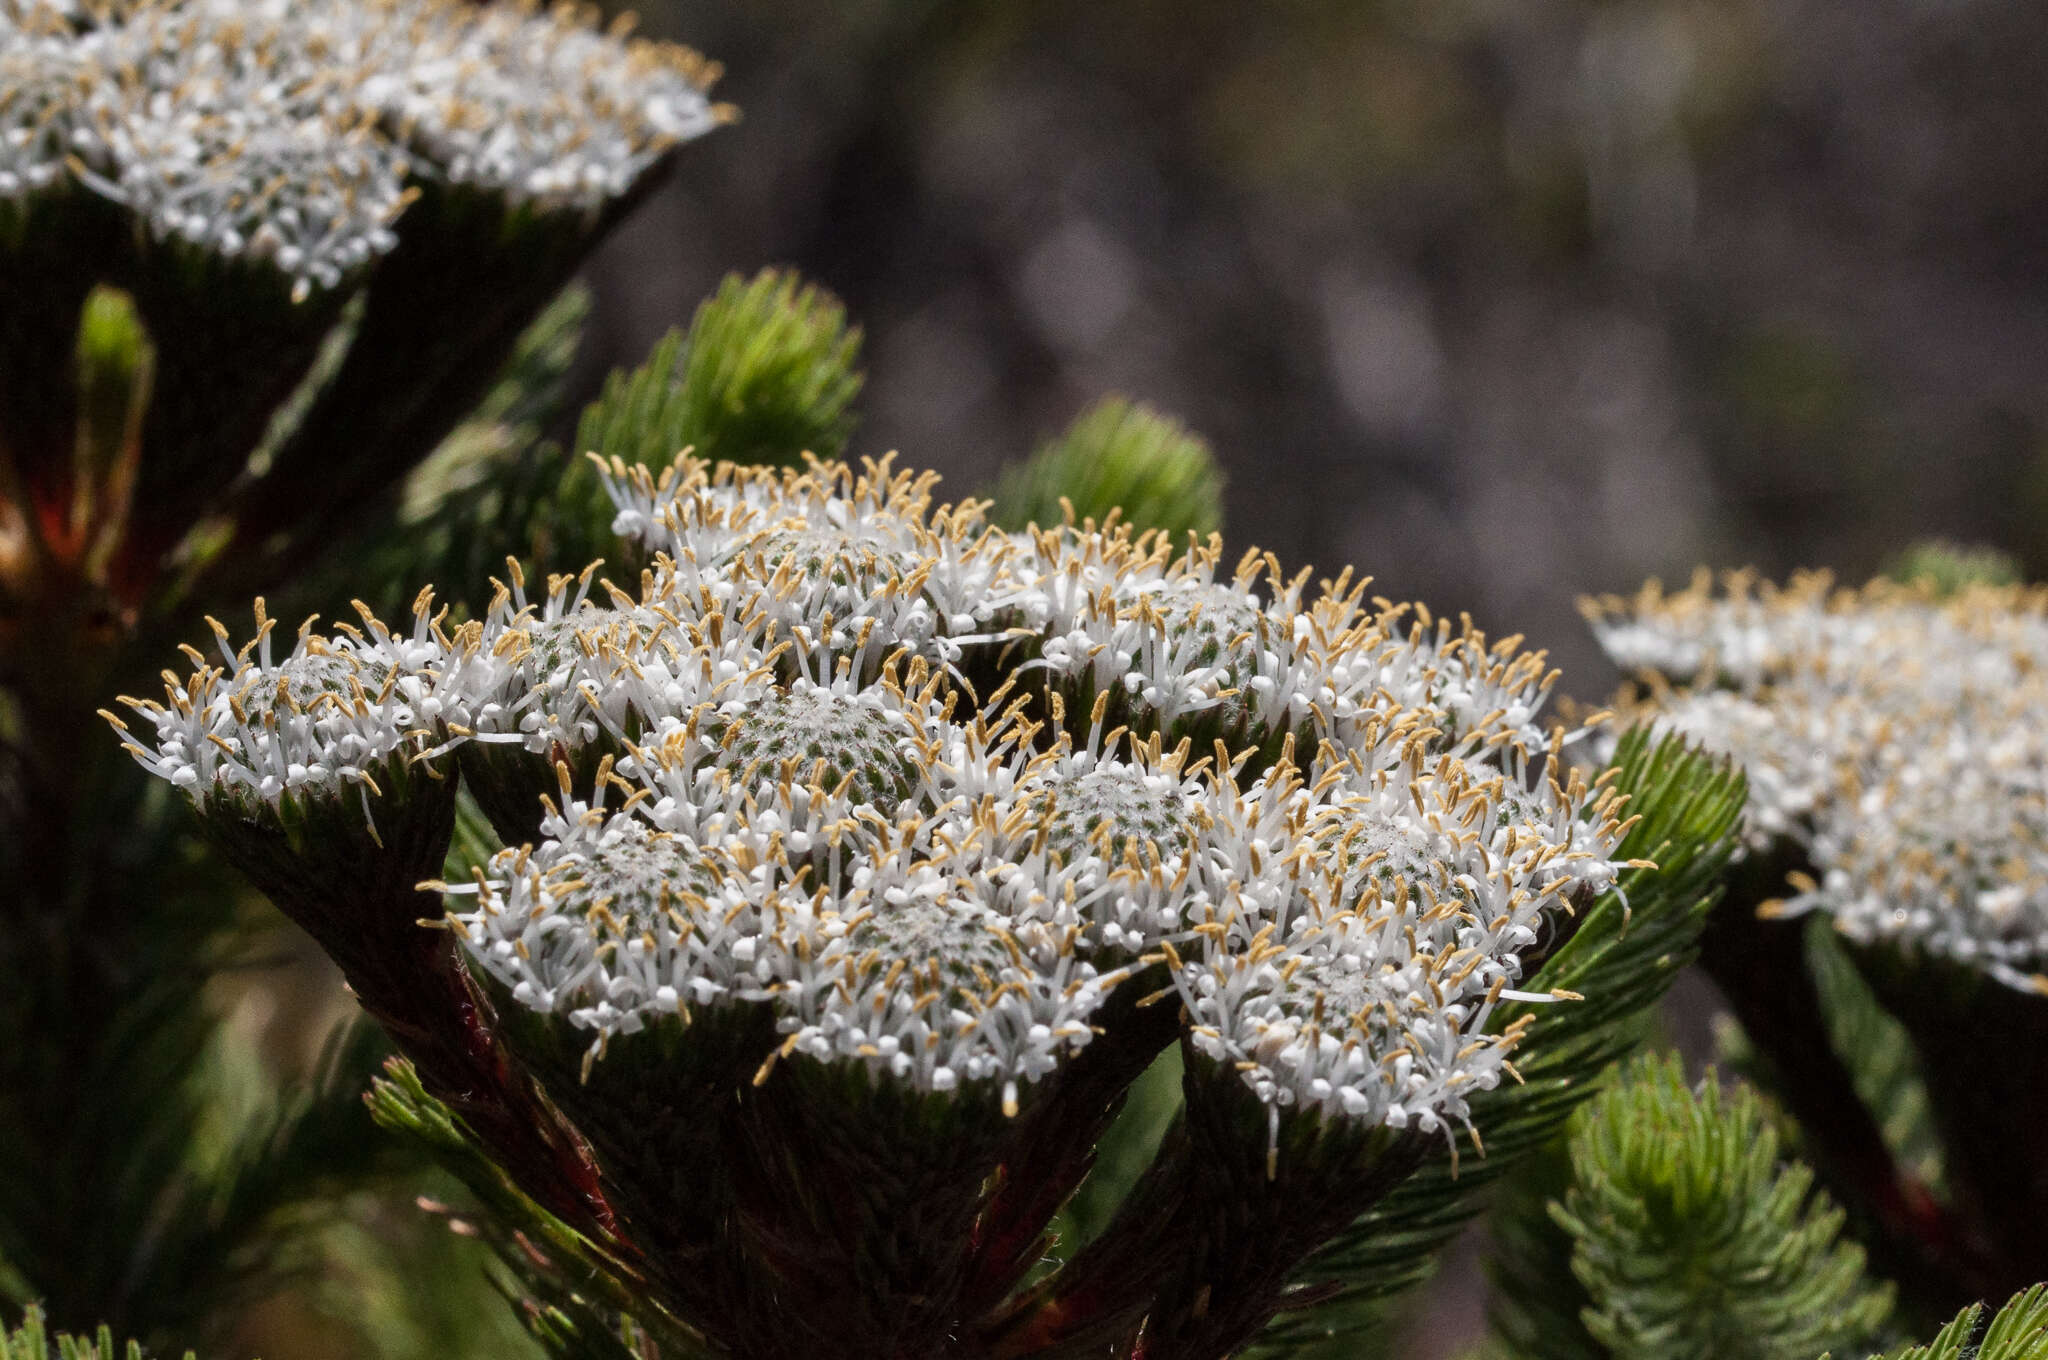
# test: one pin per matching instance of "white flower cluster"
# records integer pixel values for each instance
(1899, 740)
(1377, 918)
(863, 563)
(290, 130)
(931, 791)
(323, 720)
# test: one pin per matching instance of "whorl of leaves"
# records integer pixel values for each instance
(768, 371)
(1691, 1239)
(1118, 455)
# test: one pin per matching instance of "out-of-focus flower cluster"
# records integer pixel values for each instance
(931, 792)
(1898, 739)
(296, 131)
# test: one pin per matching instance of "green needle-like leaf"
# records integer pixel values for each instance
(1692, 1241)
(32, 1341)
(2018, 1332)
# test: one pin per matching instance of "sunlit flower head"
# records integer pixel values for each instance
(299, 133)
(923, 797)
(325, 719)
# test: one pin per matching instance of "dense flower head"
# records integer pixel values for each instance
(1377, 919)
(930, 793)
(1896, 738)
(316, 723)
(297, 131)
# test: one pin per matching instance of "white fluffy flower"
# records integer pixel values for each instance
(931, 793)
(296, 133)
(321, 720)
(1899, 740)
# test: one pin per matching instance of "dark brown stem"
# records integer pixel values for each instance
(1760, 967)
(1053, 1143)
(1984, 1056)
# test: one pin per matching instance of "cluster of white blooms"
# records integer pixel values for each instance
(291, 130)
(1899, 740)
(864, 564)
(1377, 918)
(323, 720)
(931, 792)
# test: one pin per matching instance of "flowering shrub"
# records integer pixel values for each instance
(845, 923)
(1892, 737)
(859, 860)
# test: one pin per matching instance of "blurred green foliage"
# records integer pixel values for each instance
(1118, 455)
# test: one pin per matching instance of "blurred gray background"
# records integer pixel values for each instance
(1500, 300)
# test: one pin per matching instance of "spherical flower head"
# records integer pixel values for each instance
(939, 992)
(865, 740)
(225, 132)
(1113, 811)
(320, 774)
(1111, 843)
(568, 680)
(297, 134)
(609, 921)
(1171, 645)
(1891, 738)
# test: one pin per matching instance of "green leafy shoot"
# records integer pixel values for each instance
(32, 1341)
(768, 372)
(1118, 454)
(1692, 1240)
(2018, 1332)
(1626, 950)
(1946, 568)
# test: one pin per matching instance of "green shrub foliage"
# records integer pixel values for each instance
(1691, 1238)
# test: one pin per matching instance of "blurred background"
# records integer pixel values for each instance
(1500, 300)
